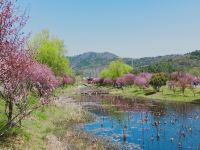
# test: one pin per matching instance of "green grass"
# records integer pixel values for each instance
(164, 94)
(2, 115)
(69, 90)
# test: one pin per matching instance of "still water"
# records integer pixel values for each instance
(140, 124)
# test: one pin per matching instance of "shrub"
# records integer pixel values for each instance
(67, 80)
(120, 81)
(108, 81)
(158, 80)
(98, 81)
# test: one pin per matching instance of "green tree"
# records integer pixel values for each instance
(158, 80)
(195, 55)
(50, 51)
(116, 69)
(165, 67)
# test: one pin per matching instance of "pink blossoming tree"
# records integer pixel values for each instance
(19, 72)
(142, 80)
(182, 80)
(129, 79)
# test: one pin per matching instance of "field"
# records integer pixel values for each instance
(165, 93)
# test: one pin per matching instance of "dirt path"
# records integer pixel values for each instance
(53, 142)
(72, 140)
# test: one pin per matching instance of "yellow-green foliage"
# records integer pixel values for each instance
(116, 69)
(51, 51)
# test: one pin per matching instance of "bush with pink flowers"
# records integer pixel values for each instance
(108, 81)
(67, 80)
(129, 79)
(97, 81)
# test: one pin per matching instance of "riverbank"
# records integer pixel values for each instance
(165, 93)
(53, 127)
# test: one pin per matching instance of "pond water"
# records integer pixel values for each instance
(142, 124)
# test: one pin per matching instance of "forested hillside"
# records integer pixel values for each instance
(91, 63)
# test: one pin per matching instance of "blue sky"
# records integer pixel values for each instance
(128, 28)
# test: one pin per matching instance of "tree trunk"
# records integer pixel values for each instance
(158, 89)
(183, 91)
(10, 111)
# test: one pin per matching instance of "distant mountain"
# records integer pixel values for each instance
(91, 63)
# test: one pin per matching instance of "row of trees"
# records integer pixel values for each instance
(116, 76)
(20, 73)
(162, 66)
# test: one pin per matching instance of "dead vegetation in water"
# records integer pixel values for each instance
(54, 127)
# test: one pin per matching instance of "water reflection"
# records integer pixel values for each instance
(141, 124)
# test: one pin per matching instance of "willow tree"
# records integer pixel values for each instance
(116, 69)
(50, 51)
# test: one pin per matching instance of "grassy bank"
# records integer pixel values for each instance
(52, 127)
(165, 93)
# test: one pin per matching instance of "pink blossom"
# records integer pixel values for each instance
(141, 81)
(68, 80)
(97, 81)
(43, 78)
(146, 75)
(182, 79)
(120, 81)
(18, 70)
(129, 79)
(186, 80)
(44, 101)
(108, 81)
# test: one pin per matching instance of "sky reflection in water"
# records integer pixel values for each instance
(145, 124)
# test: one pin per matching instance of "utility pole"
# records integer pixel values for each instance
(132, 62)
